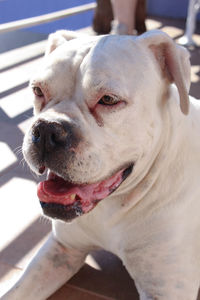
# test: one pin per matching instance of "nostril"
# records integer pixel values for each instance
(57, 137)
(36, 135)
(48, 136)
(53, 138)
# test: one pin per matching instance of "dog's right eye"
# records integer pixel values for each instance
(109, 100)
(37, 91)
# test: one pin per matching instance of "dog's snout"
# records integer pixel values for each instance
(49, 135)
(51, 142)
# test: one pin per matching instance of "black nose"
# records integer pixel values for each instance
(49, 135)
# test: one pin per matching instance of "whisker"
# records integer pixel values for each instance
(44, 220)
(18, 147)
(18, 150)
(23, 162)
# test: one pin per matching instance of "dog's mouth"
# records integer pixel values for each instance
(63, 200)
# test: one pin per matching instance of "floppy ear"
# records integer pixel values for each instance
(58, 38)
(173, 60)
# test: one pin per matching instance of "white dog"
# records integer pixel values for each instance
(120, 138)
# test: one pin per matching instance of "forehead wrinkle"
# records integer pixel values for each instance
(102, 70)
(108, 56)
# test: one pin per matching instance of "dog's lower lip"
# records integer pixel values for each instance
(56, 192)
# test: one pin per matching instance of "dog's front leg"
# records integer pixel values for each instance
(163, 274)
(52, 266)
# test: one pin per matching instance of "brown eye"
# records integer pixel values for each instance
(108, 100)
(37, 91)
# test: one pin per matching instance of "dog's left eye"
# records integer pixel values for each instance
(37, 91)
(108, 100)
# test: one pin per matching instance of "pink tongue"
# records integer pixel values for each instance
(57, 190)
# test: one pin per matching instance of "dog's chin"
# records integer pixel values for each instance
(66, 201)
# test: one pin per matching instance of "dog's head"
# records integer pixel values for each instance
(98, 105)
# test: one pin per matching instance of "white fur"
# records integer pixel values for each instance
(152, 221)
